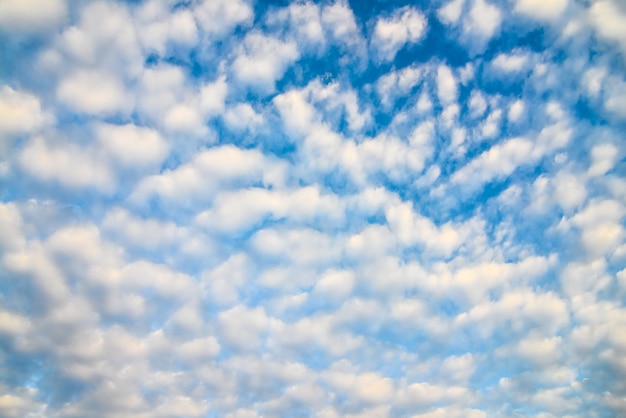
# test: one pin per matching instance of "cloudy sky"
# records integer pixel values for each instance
(384, 208)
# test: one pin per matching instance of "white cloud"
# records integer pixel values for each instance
(160, 88)
(20, 402)
(104, 42)
(37, 15)
(371, 388)
(451, 11)
(579, 278)
(96, 93)
(158, 28)
(473, 283)
(390, 155)
(504, 158)
(10, 225)
(20, 114)
(243, 208)
(129, 148)
(167, 99)
(499, 161)
(67, 164)
(615, 95)
(213, 95)
(606, 17)
(593, 80)
(460, 368)
(299, 246)
(603, 159)
(297, 113)
(424, 103)
(447, 89)
(601, 226)
(491, 126)
(225, 282)
(262, 60)
(213, 167)
(143, 233)
(477, 104)
(84, 243)
(411, 228)
(511, 63)
(305, 24)
(242, 117)
(453, 412)
(599, 211)
(12, 324)
(339, 20)
(335, 284)
(420, 395)
(467, 73)
(242, 327)
(516, 110)
(405, 25)
(541, 10)
(539, 350)
(449, 117)
(458, 138)
(217, 17)
(517, 311)
(569, 191)
(331, 98)
(184, 118)
(164, 281)
(397, 83)
(132, 146)
(483, 21)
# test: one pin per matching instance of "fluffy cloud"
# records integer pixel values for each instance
(38, 15)
(451, 11)
(338, 18)
(159, 29)
(218, 165)
(107, 96)
(128, 147)
(541, 10)
(220, 17)
(20, 114)
(131, 145)
(511, 63)
(405, 25)
(397, 83)
(245, 208)
(484, 19)
(262, 60)
(478, 20)
(446, 85)
(70, 165)
(605, 17)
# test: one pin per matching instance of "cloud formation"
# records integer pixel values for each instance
(333, 209)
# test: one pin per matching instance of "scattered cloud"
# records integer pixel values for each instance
(405, 25)
(241, 209)
(541, 10)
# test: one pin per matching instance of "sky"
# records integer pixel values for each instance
(383, 208)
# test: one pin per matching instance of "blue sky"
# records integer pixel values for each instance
(229, 208)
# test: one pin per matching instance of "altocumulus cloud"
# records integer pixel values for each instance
(233, 208)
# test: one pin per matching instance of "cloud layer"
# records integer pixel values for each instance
(240, 209)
